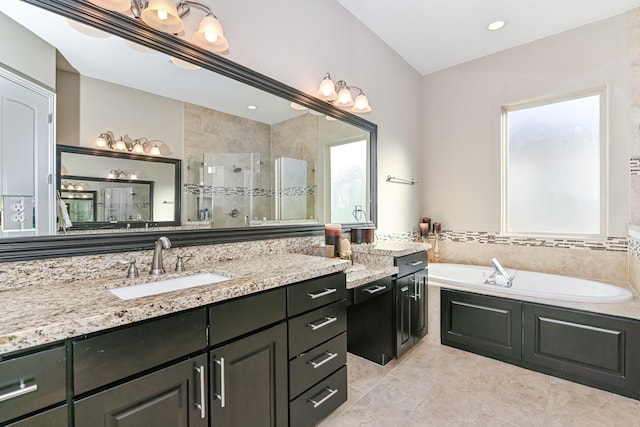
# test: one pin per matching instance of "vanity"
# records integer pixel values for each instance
(276, 338)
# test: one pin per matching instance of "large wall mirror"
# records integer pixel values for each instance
(246, 173)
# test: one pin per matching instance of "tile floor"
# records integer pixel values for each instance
(435, 385)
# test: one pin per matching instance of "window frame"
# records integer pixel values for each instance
(603, 92)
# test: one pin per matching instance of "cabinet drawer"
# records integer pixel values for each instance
(314, 365)
(114, 355)
(321, 400)
(56, 417)
(310, 329)
(238, 317)
(411, 263)
(32, 382)
(314, 293)
(371, 290)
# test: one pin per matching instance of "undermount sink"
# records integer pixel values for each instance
(162, 286)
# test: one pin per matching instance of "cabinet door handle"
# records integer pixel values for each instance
(330, 356)
(375, 289)
(201, 378)
(22, 390)
(326, 320)
(221, 397)
(415, 263)
(317, 403)
(322, 293)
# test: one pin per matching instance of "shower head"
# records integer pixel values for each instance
(236, 169)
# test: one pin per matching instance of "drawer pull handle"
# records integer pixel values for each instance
(415, 263)
(201, 378)
(19, 392)
(322, 293)
(221, 397)
(326, 321)
(324, 399)
(330, 356)
(375, 289)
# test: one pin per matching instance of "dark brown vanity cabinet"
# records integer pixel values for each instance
(149, 373)
(317, 313)
(30, 384)
(590, 348)
(411, 302)
(482, 324)
(248, 374)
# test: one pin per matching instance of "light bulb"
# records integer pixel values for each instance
(138, 148)
(361, 104)
(210, 35)
(163, 15)
(101, 142)
(133, 175)
(111, 175)
(344, 98)
(327, 90)
(120, 145)
(155, 151)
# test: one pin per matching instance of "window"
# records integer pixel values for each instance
(348, 179)
(554, 167)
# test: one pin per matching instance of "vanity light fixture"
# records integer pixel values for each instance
(167, 16)
(138, 146)
(122, 174)
(340, 95)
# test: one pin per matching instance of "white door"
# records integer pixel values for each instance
(27, 155)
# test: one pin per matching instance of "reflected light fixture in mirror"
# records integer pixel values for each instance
(340, 95)
(137, 146)
(166, 16)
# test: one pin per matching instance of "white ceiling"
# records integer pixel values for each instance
(435, 34)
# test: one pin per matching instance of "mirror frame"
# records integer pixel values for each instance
(177, 179)
(41, 247)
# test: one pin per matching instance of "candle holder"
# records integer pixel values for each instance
(424, 231)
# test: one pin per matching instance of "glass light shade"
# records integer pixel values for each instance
(345, 99)
(133, 175)
(120, 145)
(115, 5)
(327, 90)
(361, 104)
(101, 142)
(138, 148)
(210, 35)
(163, 16)
(111, 175)
(155, 151)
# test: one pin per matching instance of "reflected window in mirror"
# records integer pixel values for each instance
(348, 181)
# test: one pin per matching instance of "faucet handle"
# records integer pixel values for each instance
(132, 271)
(180, 262)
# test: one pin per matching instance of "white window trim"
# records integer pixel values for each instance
(603, 91)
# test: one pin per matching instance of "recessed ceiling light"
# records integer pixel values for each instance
(252, 107)
(496, 25)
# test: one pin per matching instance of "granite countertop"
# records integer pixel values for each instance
(52, 310)
(390, 248)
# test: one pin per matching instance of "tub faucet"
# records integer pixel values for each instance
(156, 263)
(501, 271)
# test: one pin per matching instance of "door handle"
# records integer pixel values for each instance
(330, 356)
(20, 391)
(327, 321)
(203, 395)
(375, 289)
(415, 263)
(324, 399)
(221, 397)
(324, 292)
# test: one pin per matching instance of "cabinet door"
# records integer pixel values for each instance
(482, 324)
(172, 397)
(419, 304)
(591, 348)
(403, 302)
(249, 381)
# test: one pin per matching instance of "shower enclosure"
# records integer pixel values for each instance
(224, 189)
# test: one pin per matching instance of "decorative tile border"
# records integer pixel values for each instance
(616, 244)
(634, 165)
(634, 248)
(207, 190)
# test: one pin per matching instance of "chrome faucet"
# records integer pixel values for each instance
(501, 271)
(156, 263)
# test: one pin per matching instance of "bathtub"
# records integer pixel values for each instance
(529, 283)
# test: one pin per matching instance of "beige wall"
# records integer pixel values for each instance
(461, 119)
(39, 65)
(461, 128)
(296, 42)
(634, 59)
